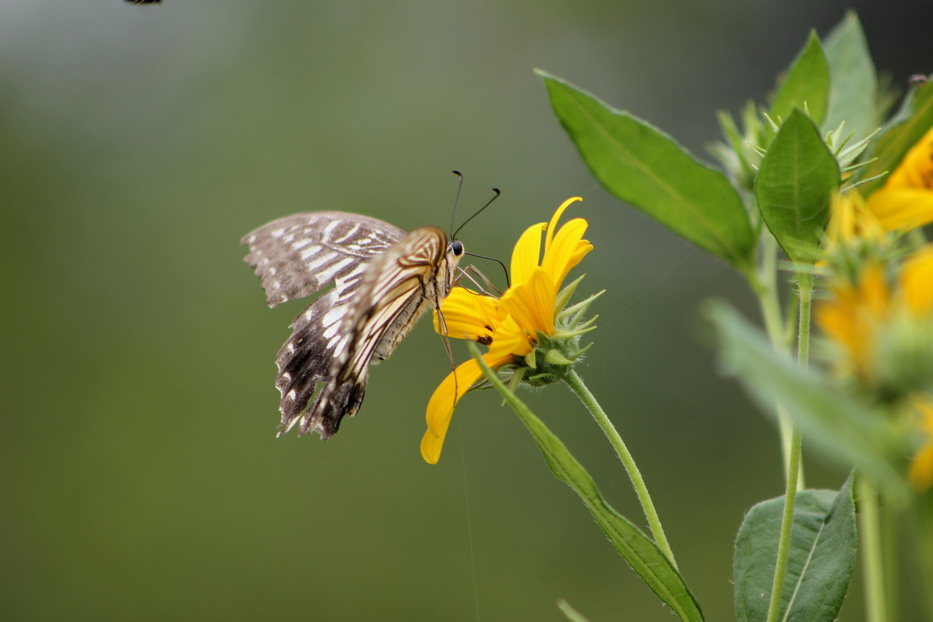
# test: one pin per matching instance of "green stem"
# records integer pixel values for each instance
(787, 524)
(923, 514)
(805, 285)
(872, 558)
(888, 519)
(771, 313)
(764, 284)
(589, 400)
(793, 480)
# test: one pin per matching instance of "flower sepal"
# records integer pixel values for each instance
(572, 321)
(553, 355)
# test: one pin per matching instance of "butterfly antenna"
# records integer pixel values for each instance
(453, 213)
(477, 213)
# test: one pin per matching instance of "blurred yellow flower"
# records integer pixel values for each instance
(851, 220)
(852, 315)
(906, 199)
(859, 315)
(855, 311)
(509, 325)
(921, 467)
(917, 281)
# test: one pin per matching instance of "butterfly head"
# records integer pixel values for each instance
(447, 273)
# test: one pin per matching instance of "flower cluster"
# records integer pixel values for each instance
(526, 328)
(879, 311)
(868, 316)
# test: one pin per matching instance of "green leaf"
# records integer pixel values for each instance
(641, 553)
(642, 166)
(795, 184)
(913, 121)
(853, 84)
(831, 419)
(822, 555)
(806, 85)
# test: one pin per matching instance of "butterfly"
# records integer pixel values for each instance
(383, 280)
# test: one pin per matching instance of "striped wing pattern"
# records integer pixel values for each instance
(397, 287)
(383, 279)
(301, 254)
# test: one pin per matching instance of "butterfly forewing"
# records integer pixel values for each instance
(384, 279)
(301, 254)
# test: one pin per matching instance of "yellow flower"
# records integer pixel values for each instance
(852, 315)
(850, 221)
(906, 199)
(861, 318)
(917, 282)
(921, 467)
(510, 325)
(856, 311)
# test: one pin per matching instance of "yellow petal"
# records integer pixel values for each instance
(468, 315)
(442, 403)
(902, 208)
(841, 227)
(532, 303)
(851, 219)
(509, 341)
(916, 169)
(917, 281)
(552, 226)
(545, 296)
(873, 288)
(566, 250)
(527, 253)
(514, 302)
(839, 323)
(852, 316)
(921, 469)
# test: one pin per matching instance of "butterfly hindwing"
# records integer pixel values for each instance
(308, 355)
(397, 287)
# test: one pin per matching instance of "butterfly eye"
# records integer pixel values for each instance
(457, 247)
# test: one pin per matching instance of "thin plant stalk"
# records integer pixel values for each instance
(888, 519)
(805, 284)
(576, 385)
(924, 526)
(787, 524)
(764, 285)
(872, 557)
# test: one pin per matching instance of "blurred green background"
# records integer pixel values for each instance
(141, 477)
